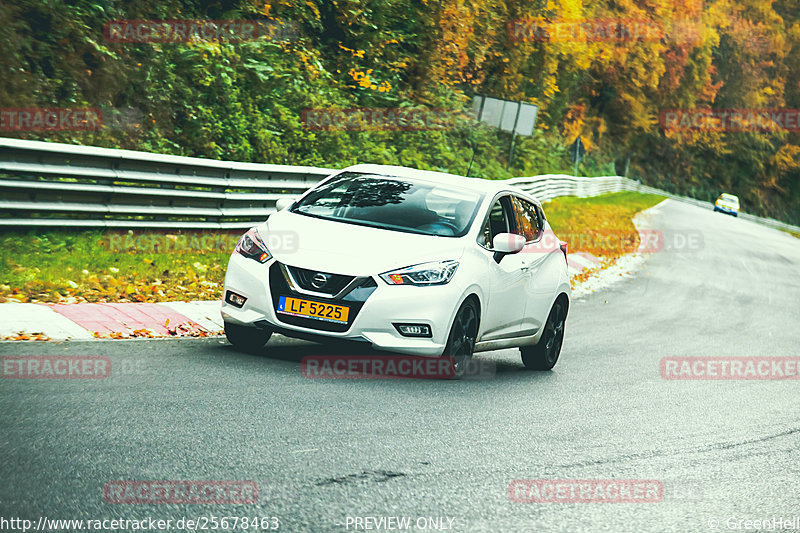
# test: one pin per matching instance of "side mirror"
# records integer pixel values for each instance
(283, 202)
(507, 243)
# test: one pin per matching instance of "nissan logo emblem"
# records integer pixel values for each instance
(319, 280)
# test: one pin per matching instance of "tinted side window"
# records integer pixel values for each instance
(529, 224)
(496, 223)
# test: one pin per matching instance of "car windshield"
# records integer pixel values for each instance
(729, 198)
(391, 203)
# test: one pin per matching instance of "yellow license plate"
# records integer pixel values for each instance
(309, 309)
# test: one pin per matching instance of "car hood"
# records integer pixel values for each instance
(342, 248)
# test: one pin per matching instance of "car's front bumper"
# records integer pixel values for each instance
(726, 210)
(375, 313)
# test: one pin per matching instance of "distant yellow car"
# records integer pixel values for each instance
(728, 204)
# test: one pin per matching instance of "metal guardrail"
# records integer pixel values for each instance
(46, 184)
(764, 221)
(57, 185)
(553, 185)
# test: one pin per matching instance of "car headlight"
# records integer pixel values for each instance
(434, 273)
(252, 246)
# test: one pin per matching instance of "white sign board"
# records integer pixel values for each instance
(504, 114)
(527, 119)
(492, 112)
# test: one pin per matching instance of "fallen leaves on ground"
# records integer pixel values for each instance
(76, 266)
(190, 329)
(186, 329)
(579, 277)
(137, 333)
(602, 226)
(22, 336)
(184, 284)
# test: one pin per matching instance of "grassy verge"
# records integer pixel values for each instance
(69, 266)
(97, 266)
(601, 225)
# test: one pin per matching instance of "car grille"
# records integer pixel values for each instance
(333, 283)
(354, 299)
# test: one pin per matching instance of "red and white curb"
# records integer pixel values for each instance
(110, 320)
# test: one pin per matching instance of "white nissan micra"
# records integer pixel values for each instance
(410, 261)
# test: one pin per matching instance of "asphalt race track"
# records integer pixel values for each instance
(324, 450)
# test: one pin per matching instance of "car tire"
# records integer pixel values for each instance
(245, 338)
(461, 341)
(544, 355)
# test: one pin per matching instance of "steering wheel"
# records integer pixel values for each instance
(442, 227)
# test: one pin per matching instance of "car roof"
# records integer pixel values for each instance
(729, 196)
(475, 184)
